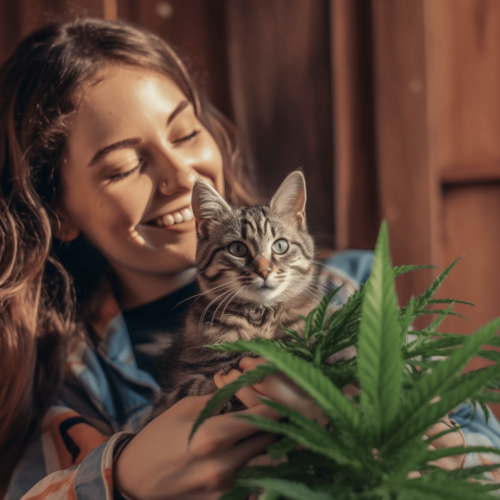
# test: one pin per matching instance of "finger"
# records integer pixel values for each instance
(189, 407)
(449, 440)
(248, 363)
(248, 449)
(281, 389)
(222, 379)
(350, 391)
(249, 397)
(224, 431)
(414, 474)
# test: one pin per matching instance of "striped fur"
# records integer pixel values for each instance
(235, 301)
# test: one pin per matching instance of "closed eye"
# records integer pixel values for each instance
(192, 135)
(118, 177)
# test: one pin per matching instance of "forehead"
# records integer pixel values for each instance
(120, 103)
(253, 224)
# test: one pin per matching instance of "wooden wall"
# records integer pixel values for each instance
(391, 108)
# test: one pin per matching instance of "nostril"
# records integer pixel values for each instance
(263, 272)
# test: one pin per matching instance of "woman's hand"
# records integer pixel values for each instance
(159, 463)
(450, 440)
(281, 389)
(277, 387)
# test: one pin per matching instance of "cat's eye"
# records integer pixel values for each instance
(280, 246)
(238, 249)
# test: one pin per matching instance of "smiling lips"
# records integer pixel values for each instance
(184, 215)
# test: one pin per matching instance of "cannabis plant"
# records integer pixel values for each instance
(408, 381)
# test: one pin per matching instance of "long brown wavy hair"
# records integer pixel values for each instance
(39, 85)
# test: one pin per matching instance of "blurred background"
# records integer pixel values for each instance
(391, 107)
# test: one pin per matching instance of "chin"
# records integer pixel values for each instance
(262, 296)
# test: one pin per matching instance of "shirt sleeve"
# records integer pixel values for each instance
(92, 479)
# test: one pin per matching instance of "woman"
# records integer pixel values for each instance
(103, 135)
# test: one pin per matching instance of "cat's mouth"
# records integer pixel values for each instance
(172, 218)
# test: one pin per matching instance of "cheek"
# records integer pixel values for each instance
(127, 204)
(113, 209)
(209, 161)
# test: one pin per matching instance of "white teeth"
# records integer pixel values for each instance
(168, 220)
(187, 214)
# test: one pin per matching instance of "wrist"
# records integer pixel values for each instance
(119, 490)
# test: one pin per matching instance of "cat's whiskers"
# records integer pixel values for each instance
(310, 289)
(202, 317)
(221, 302)
(202, 293)
(225, 307)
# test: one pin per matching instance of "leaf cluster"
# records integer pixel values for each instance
(408, 380)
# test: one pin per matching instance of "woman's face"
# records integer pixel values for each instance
(134, 150)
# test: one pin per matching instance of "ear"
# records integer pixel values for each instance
(63, 228)
(207, 204)
(290, 198)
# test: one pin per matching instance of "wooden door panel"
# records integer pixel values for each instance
(463, 60)
(196, 28)
(471, 229)
(279, 63)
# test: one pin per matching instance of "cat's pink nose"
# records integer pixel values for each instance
(264, 272)
(263, 268)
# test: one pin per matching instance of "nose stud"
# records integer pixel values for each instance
(164, 183)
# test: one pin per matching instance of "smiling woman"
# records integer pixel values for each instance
(102, 137)
(133, 152)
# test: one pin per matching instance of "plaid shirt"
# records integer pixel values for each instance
(106, 398)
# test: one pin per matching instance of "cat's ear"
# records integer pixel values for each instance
(207, 204)
(290, 198)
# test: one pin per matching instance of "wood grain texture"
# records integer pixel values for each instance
(197, 30)
(464, 64)
(279, 62)
(470, 174)
(471, 228)
(20, 18)
(408, 187)
(356, 198)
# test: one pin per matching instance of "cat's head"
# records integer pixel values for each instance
(260, 254)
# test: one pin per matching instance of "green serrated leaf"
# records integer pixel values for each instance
(326, 446)
(379, 352)
(447, 301)
(406, 319)
(289, 489)
(430, 385)
(472, 472)
(398, 270)
(432, 327)
(281, 447)
(426, 415)
(305, 375)
(238, 492)
(423, 299)
(321, 310)
(439, 453)
(445, 489)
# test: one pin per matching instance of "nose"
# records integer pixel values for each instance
(263, 267)
(176, 177)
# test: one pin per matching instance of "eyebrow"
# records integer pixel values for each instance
(112, 147)
(180, 107)
(134, 140)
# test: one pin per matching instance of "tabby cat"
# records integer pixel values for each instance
(255, 273)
